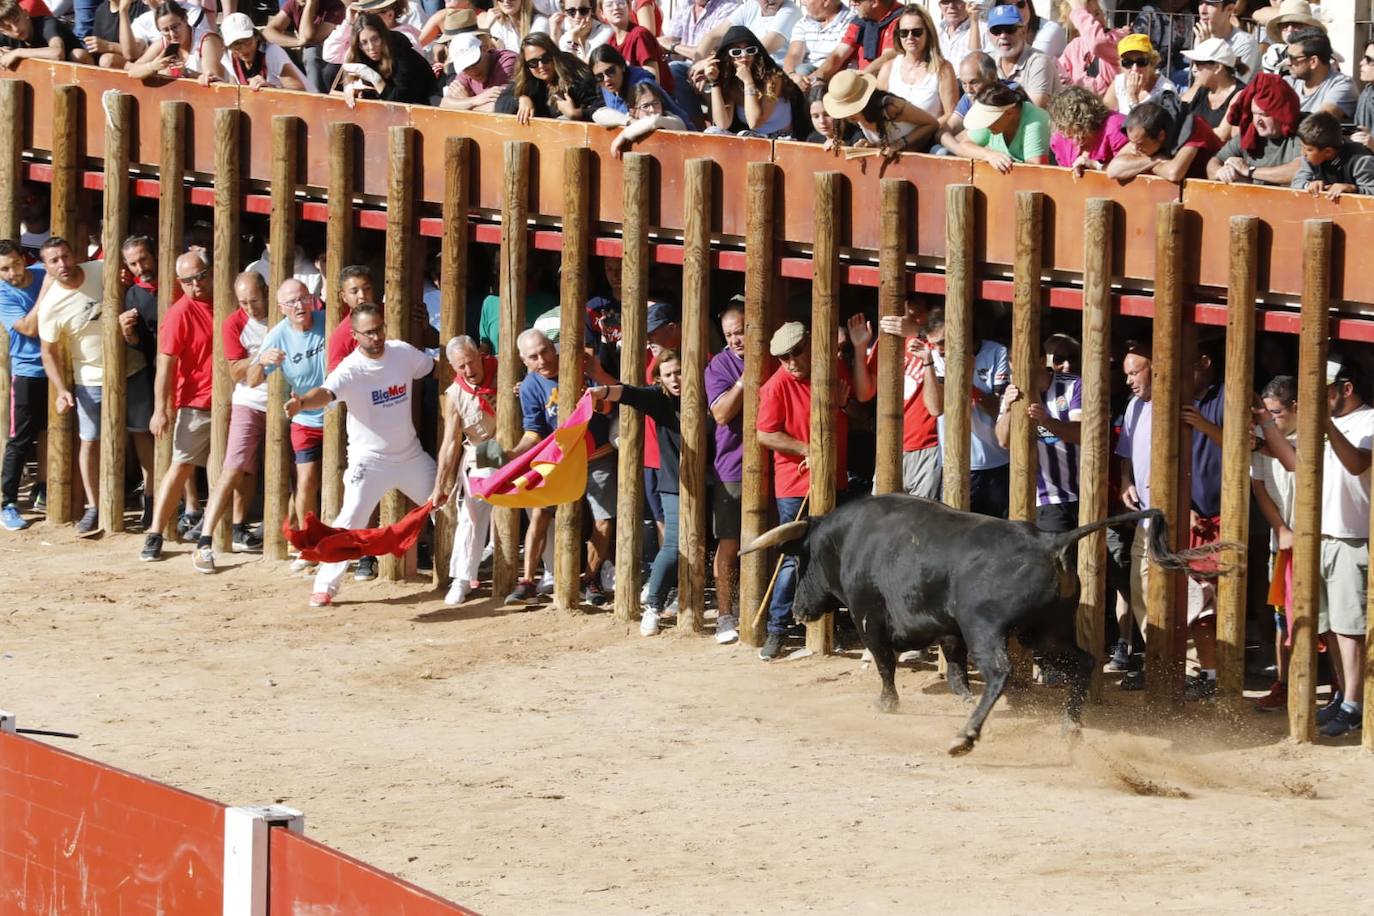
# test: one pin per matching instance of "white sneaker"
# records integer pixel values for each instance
(608, 577)
(648, 623)
(644, 593)
(727, 629)
(299, 566)
(672, 608)
(458, 592)
(545, 586)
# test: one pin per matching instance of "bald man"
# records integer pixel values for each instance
(243, 333)
(182, 388)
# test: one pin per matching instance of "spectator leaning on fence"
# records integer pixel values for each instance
(384, 65)
(1320, 86)
(1332, 165)
(253, 62)
(1001, 128)
(182, 49)
(19, 288)
(477, 73)
(618, 81)
(886, 122)
(1086, 135)
(1166, 142)
(26, 37)
(1264, 147)
(550, 84)
(647, 113)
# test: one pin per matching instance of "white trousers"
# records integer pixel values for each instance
(470, 539)
(364, 486)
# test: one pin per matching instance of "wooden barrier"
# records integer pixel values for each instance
(453, 284)
(63, 480)
(1307, 501)
(634, 296)
(114, 353)
(958, 344)
(400, 266)
(277, 463)
(567, 533)
(11, 151)
(1094, 449)
(228, 201)
(343, 144)
(693, 493)
(1026, 358)
(822, 453)
(171, 223)
(887, 471)
(1235, 489)
(514, 255)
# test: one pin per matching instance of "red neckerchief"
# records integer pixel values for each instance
(486, 392)
(144, 284)
(257, 67)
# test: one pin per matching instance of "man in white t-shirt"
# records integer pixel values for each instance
(771, 21)
(377, 382)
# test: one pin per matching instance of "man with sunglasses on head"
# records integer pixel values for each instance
(182, 388)
(958, 31)
(1034, 71)
(869, 42)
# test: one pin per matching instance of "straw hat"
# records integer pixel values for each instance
(1294, 11)
(1213, 50)
(457, 22)
(981, 116)
(370, 6)
(848, 92)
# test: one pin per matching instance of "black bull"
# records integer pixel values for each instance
(914, 573)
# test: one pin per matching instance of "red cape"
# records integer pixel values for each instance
(319, 543)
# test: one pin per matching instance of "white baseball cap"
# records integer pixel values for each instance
(235, 28)
(1213, 50)
(464, 50)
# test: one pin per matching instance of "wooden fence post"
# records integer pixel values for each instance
(338, 255)
(1235, 489)
(453, 289)
(11, 152)
(62, 481)
(228, 205)
(1307, 500)
(822, 457)
(401, 232)
(514, 257)
(756, 491)
(1026, 359)
(1094, 453)
(277, 464)
(114, 352)
(887, 471)
(567, 533)
(171, 223)
(634, 294)
(693, 495)
(1166, 620)
(959, 232)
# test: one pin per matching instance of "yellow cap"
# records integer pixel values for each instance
(1135, 42)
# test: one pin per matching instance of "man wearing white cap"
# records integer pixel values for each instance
(1216, 19)
(476, 72)
(250, 61)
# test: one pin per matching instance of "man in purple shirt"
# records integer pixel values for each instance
(1133, 449)
(725, 394)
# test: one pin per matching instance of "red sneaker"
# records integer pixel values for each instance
(321, 599)
(1276, 698)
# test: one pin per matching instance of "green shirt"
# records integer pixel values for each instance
(489, 326)
(1031, 140)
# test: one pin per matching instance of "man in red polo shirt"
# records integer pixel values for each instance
(784, 422)
(183, 387)
(922, 403)
(870, 41)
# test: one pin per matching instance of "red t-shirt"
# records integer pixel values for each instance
(651, 459)
(919, 429)
(1208, 144)
(641, 48)
(785, 407)
(188, 334)
(655, 8)
(886, 43)
(35, 7)
(341, 342)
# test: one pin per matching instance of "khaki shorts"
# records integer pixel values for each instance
(1345, 567)
(191, 437)
(923, 472)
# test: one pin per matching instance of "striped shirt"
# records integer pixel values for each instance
(1057, 478)
(821, 38)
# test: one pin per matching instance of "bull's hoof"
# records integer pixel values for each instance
(886, 703)
(960, 746)
(1071, 731)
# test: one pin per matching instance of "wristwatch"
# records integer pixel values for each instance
(1250, 172)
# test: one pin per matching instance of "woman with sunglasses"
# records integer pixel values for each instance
(384, 65)
(509, 21)
(1139, 79)
(578, 30)
(618, 79)
(1217, 78)
(885, 121)
(920, 75)
(647, 113)
(551, 84)
(636, 43)
(1044, 34)
(748, 90)
(181, 50)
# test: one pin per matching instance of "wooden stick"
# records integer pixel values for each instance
(1163, 665)
(63, 482)
(822, 457)
(755, 489)
(115, 352)
(693, 494)
(1307, 500)
(887, 473)
(338, 255)
(228, 206)
(1235, 480)
(11, 152)
(634, 294)
(171, 229)
(567, 532)
(277, 464)
(959, 231)
(401, 231)
(1094, 451)
(862, 152)
(453, 284)
(514, 257)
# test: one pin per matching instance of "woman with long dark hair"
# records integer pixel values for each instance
(885, 121)
(749, 91)
(618, 79)
(549, 83)
(184, 50)
(384, 64)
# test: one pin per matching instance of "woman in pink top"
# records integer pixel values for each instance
(634, 42)
(1087, 135)
(1091, 60)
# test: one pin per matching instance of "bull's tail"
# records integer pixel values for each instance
(1199, 562)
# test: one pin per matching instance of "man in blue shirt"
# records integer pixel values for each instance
(29, 384)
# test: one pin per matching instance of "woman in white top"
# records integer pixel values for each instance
(180, 50)
(920, 75)
(1139, 79)
(1044, 34)
(577, 30)
(509, 21)
(250, 61)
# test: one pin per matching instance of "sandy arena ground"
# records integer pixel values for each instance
(548, 763)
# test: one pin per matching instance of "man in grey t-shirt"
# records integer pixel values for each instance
(1318, 84)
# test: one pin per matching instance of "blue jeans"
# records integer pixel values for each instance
(663, 574)
(684, 93)
(780, 607)
(83, 12)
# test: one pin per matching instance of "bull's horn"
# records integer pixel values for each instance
(774, 536)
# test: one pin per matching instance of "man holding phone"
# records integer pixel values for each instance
(922, 394)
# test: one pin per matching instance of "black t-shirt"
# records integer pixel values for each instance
(144, 301)
(106, 24)
(585, 92)
(45, 29)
